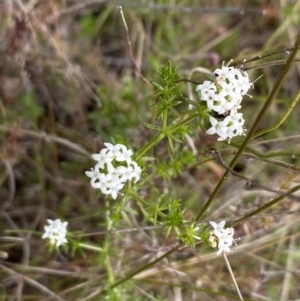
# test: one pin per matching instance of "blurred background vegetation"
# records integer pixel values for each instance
(68, 84)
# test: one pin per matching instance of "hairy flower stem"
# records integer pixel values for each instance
(251, 132)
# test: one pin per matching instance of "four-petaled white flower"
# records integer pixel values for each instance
(56, 232)
(223, 98)
(221, 237)
(218, 128)
(114, 167)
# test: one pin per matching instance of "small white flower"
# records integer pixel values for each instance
(243, 82)
(218, 128)
(111, 185)
(133, 172)
(218, 228)
(114, 167)
(235, 76)
(125, 154)
(207, 85)
(223, 98)
(118, 152)
(215, 102)
(224, 72)
(231, 126)
(104, 157)
(92, 173)
(236, 122)
(56, 232)
(221, 237)
(233, 99)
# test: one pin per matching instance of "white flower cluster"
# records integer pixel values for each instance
(224, 97)
(56, 232)
(221, 237)
(114, 167)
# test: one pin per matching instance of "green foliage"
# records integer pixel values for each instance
(3, 294)
(115, 294)
(156, 211)
(290, 11)
(175, 165)
(49, 134)
(76, 248)
(87, 24)
(191, 234)
(165, 89)
(174, 218)
(205, 234)
(31, 110)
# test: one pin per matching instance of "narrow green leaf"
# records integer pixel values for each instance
(152, 126)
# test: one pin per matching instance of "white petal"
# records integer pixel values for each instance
(214, 224)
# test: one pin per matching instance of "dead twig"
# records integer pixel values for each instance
(130, 49)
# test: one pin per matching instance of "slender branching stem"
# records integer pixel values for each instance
(252, 130)
(266, 206)
(282, 120)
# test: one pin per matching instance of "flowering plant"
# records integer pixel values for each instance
(220, 101)
(223, 98)
(114, 167)
(221, 237)
(56, 232)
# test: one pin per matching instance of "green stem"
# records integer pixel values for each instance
(182, 123)
(143, 268)
(110, 273)
(270, 154)
(285, 116)
(149, 145)
(165, 120)
(252, 153)
(265, 207)
(140, 201)
(138, 198)
(164, 133)
(90, 247)
(259, 117)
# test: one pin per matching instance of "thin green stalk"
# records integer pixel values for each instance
(143, 268)
(252, 153)
(276, 162)
(265, 207)
(165, 121)
(90, 247)
(161, 135)
(281, 121)
(182, 123)
(251, 132)
(140, 201)
(268, 155)
(137, 197)
(110, 273)
(150, 144)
